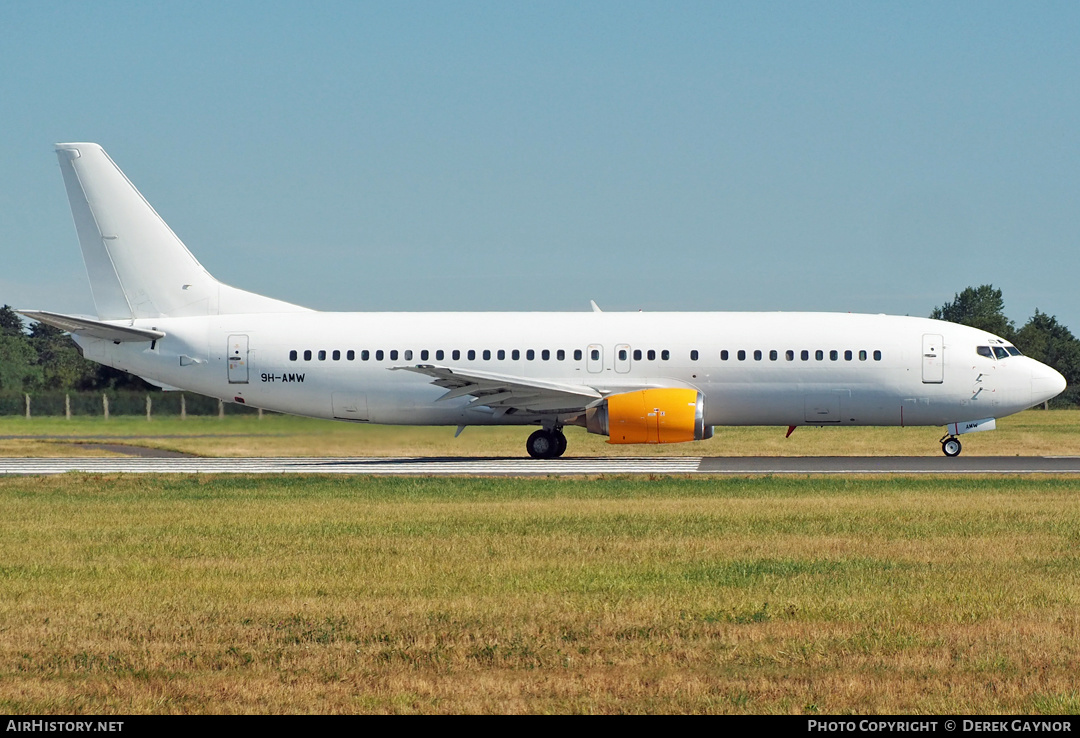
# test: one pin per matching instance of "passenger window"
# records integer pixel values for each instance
(595, 354)
(322, 355)
(487, 354)
(393, 355)
(834, 355)
(292, 356)
(423, 354)
(693, 355)
(439, 354)
(408, 354)
(805, 355)
(724, 355)
(623, 355)
(665, 354)
(862, 356)
(530, 354)
(379, 355)
(773, 355)
(789, 355)
(819, 355)
(455, 354)
(560, 355)
(515, 354)
(336, 355)
(365, 355)
(545, 354)
(501, 355)
(577, 354)
(757, 355)
(877, 356)
(741, 355)
(350, 355)
(472, 354)
(637, 354)
(847, 356)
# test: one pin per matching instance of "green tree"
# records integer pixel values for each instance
(61, 362)
(980, 307)
(1045, 339)
(19, 369)
(10, 322)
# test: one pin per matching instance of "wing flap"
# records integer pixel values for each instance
(502, 391)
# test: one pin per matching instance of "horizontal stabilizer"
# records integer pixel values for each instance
(92, 328)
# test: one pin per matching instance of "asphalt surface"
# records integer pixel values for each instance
(558, 467)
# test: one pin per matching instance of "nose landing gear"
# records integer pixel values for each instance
(548, 443)
(950, 446)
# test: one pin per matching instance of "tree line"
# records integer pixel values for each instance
(42, 358)
(1042, 337)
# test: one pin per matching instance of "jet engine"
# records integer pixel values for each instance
(668, 415)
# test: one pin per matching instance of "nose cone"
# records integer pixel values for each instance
(1046, 383)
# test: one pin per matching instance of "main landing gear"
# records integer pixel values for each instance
(950, 446)
(548, 443)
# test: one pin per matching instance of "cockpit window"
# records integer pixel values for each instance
(985, 351)
(1000, 352)
(1013, 351)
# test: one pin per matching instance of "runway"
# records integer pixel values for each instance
(522, 467)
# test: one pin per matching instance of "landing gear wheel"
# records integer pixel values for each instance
(951, 447)
(544, 444)
(560, 442)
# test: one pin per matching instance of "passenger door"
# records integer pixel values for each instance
(933, 359)
(238, 359)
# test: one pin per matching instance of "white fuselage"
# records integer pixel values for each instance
(635, 377)
(752, 368)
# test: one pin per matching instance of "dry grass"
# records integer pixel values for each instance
(1032, 433)
(226, 595)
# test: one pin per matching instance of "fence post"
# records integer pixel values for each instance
(148, 408)
(105, 405)
(67, 406)
(27, 397)
(220, 409)
(183, 407)
(260, 413)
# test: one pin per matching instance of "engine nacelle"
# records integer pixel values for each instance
(668, 415)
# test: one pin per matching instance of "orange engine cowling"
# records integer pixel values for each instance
(668, 415)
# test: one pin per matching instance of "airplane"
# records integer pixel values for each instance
(636, 377)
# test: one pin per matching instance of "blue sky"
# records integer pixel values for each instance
(865, 157)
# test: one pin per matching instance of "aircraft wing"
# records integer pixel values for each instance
(93, 328)
(502, 391)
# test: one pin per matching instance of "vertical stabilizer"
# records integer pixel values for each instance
(137, 266)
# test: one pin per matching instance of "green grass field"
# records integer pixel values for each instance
(1034, 432)
(197, 594)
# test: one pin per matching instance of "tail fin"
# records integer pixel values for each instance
(137, 266)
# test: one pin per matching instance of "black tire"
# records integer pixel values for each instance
(951, 447)
(560, 443)
(542, 444)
